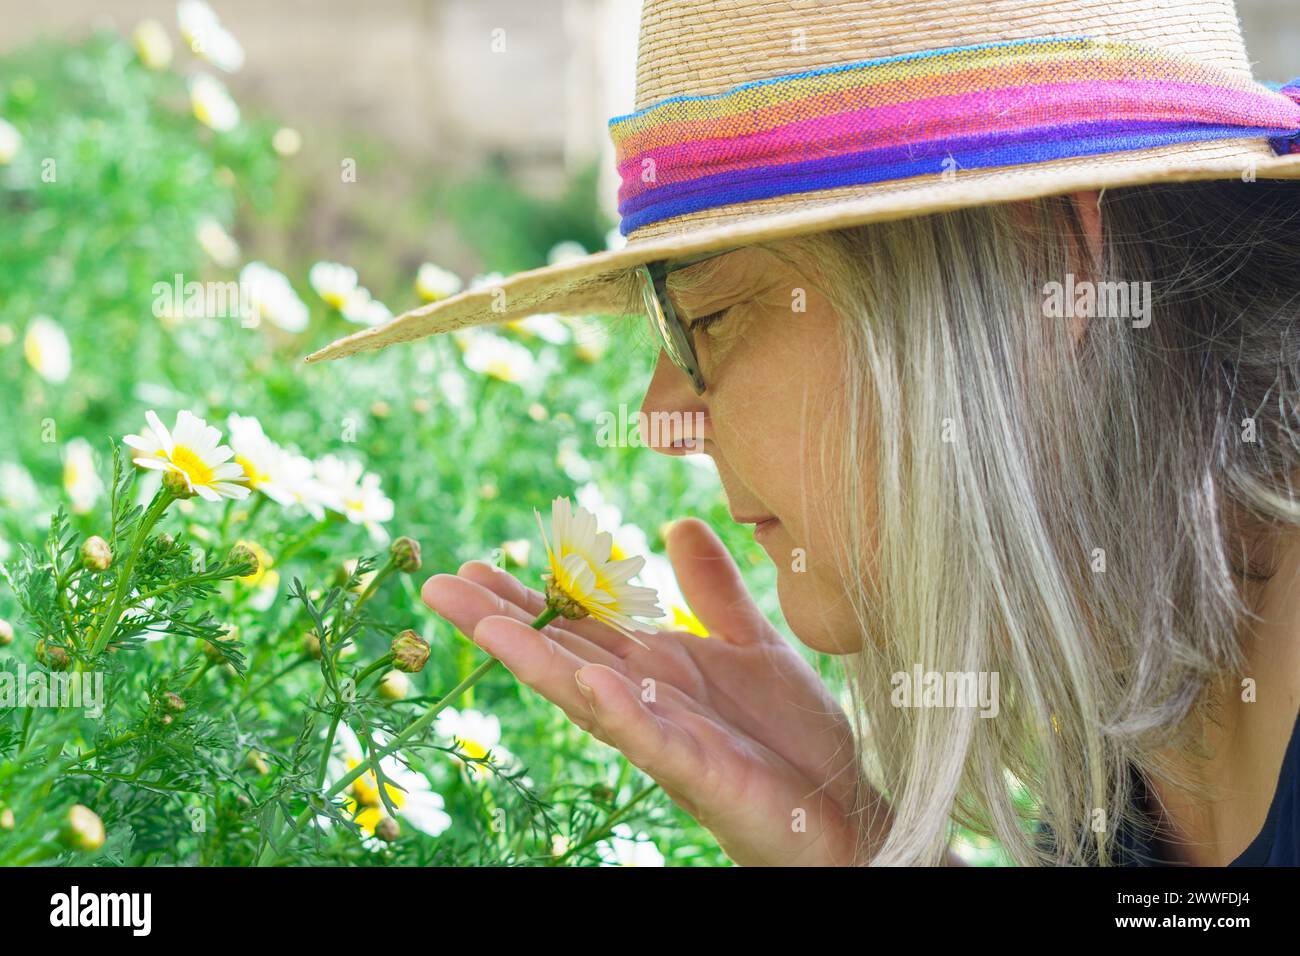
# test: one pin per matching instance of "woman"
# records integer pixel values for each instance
(1037, 443)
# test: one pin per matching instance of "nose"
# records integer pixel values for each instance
(674, 419)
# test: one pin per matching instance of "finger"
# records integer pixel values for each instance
(464, 603)
(650, 741)
(545, 666)
(510, 588)
(712, 585)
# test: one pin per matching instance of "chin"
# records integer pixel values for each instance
(819, 617)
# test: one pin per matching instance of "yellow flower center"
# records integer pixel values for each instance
(366, 789)
(195, 468)
(254, 477)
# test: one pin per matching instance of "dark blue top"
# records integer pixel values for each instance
(1278, 841)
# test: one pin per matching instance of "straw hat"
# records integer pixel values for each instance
(765, 119)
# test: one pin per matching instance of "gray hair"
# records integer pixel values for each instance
(1070, 512)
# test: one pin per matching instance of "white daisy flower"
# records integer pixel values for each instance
(205, 35)
(626, 849)
(499, 358)
(218, 244)
(353, 492)
(477, 733)
(565, 251)
(10, 142)
(485, 280)
(287, 141)
(363, 309)
(409, 792)
(18, 492)
(272, 297)
(299, 473)
(333, 282)
(80, 478)
(47, 350)
(433, 282)
(263, 461)
(585, 579)
(152, 45)
(212, 105)
(192, 450)
(545, 326)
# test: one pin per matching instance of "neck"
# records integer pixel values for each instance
(1254, 719)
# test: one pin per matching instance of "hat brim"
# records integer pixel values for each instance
(602, 283)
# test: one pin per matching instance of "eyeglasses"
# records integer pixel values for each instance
(674, 334)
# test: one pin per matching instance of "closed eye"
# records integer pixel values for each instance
(705, 321)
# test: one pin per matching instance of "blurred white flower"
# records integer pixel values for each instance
(300, 479)
(47, 350)
(591, 340)
(433, 282)
(218, 244)
(333, 282)
(486, 280)
(615, 239)
(213, 106)
(545, 326)
(409, 792)
(272, 297)
(264, 582)
(205, 35)
(80, 479)
(363, 309)
(151, 44)
(625, 849)
(478, 734)
(565, 251)
(263, 461)
(499, 358)
(10, 142)
(287, 141)
(353, 492)
(192, 450)
(18, 492)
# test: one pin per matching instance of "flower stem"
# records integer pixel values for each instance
(147, 521)
(412, 730)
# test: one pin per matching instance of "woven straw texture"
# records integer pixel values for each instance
(812, 91)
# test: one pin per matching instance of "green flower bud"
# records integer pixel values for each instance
(52, 656)
(96, 554)
(410, 652)
(6, 819)
(177, 485)
(244, 558)
(83, 830)
(406, 554)
(256, 760)
(173, 702)
(6, 633)
(311, 645)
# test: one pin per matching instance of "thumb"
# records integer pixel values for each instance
(711, 583)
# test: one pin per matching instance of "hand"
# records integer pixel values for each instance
(737, 728)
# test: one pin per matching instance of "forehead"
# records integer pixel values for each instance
(737, 271)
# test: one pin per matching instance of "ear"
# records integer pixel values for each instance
(1087, 205)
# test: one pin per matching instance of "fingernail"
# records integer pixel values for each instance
(582, 688)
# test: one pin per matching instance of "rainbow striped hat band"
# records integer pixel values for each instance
(764, 120)
(959, 108)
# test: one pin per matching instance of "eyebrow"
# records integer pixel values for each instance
(722, 283)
